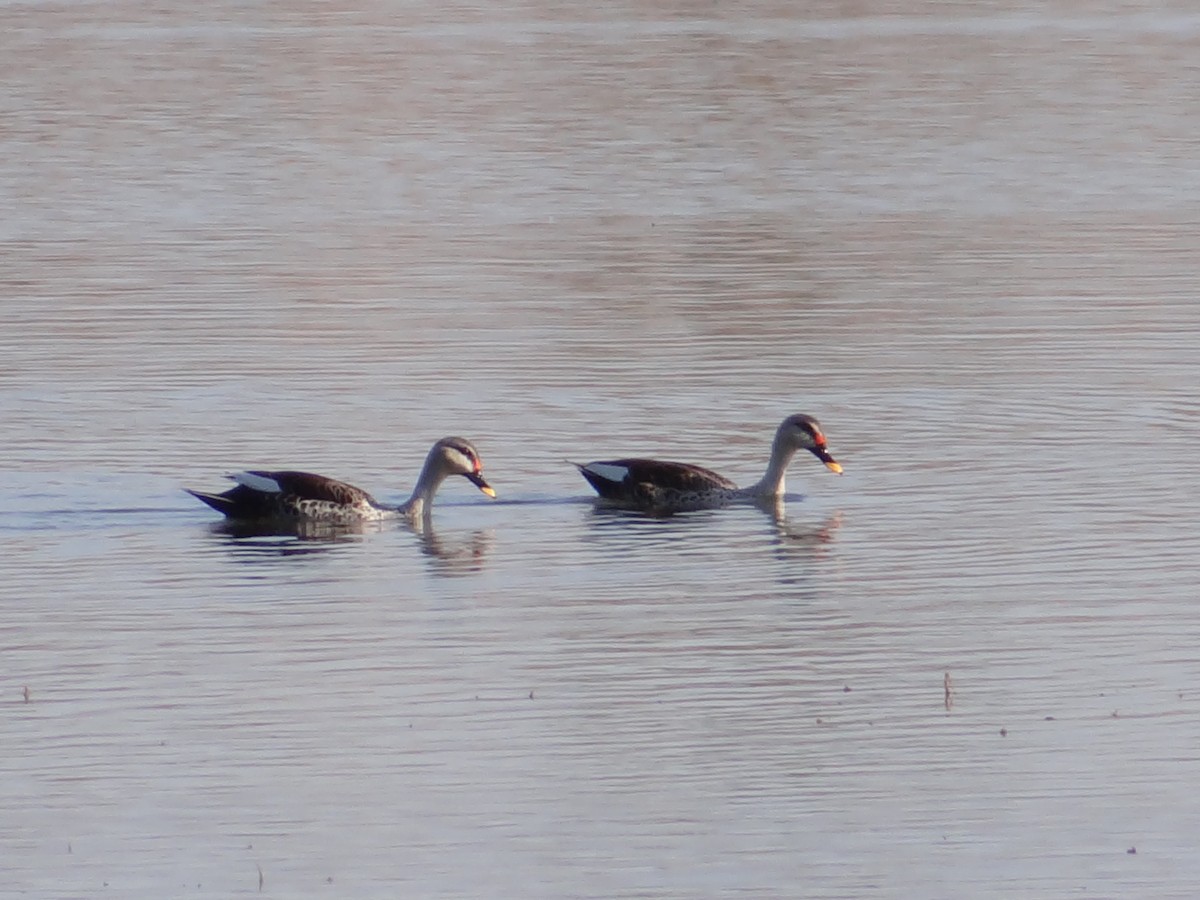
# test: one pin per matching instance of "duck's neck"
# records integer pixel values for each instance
(771, 484)
(419, 504)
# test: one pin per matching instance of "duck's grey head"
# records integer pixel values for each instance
(804, 433)
(458, 456)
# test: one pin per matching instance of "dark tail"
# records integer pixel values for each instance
(219, 502)
(607, 489)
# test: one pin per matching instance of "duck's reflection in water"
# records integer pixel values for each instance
(797, 537)
(449, 554)
(454, 554)
(625, 532)
(807, 535)
(283, 538)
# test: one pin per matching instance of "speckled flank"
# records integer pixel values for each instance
(662, 500)
(328, 511)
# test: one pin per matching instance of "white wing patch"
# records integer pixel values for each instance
(257, 482)
(607, 471)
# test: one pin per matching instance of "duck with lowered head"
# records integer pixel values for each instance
(304, 497)
(661, 486)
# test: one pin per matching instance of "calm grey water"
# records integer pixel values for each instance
(317, 236)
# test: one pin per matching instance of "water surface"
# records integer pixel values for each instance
(298, 236)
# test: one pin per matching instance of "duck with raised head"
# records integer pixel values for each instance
(302, 496)
(661, 486)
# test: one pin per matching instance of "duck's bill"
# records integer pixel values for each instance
(478, 481)
(830, 463)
